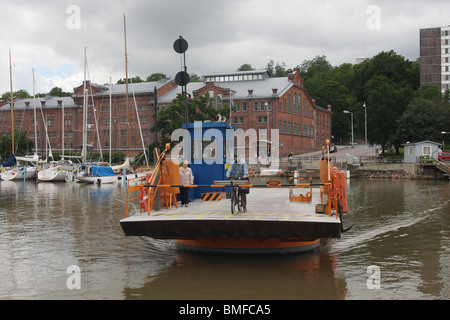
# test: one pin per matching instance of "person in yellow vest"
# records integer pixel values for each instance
(186, 178)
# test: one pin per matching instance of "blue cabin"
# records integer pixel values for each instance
(210, 153)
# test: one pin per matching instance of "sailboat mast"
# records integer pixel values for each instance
(12, 102)
(62, 144)
(126, 83)
(34, 111)
(110, 111)
(84, 111)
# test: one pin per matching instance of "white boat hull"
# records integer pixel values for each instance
(98, 180)
(11, 175)
(52, 174)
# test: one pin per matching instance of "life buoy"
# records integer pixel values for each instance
(308, 194)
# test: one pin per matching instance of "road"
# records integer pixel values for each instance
(343, 151)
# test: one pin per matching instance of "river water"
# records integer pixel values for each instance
(64, 241)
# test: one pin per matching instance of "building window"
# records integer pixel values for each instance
(295, 103)
(289, 103)
(299, 109)
(219, 101)
(255, 106)
(280, 126)
(244, 106)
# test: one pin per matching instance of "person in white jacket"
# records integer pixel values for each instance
(186, 178)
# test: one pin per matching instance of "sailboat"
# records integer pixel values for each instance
(91, 173)
(135, 174)
(17, 172)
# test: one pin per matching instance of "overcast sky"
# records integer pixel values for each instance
(50, 36)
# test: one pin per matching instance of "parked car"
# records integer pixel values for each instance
(444, 156)
(333, 148)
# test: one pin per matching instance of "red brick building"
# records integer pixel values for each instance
(260, 101)
(265, 103)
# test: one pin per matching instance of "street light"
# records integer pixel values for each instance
(351, 114)
(365, 123)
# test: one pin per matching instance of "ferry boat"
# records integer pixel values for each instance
(279, 218)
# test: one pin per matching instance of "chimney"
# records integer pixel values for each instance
(274, 91)
(27, 103)
(250, 92)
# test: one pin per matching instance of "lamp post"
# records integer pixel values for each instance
(444, 132)
(365, 123)
(351, 114)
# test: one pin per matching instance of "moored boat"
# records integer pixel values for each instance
(52, 174)
(96, 174)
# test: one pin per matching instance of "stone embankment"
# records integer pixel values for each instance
(397, 171)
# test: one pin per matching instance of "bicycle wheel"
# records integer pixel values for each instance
(239, 201)
(233, 200)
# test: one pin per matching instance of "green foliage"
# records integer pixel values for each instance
(22, 93)
(172, 117)
(23, 145)
(130, 80)
(155, 77)
(421, 121)
(386, 83)
(245, 67)
(57, 92)
(277, 70)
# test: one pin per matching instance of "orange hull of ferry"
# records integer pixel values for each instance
(248, 245)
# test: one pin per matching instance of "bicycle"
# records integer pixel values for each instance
(236, 199)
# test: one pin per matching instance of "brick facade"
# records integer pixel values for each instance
(262, 103)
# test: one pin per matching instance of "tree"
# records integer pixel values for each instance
(156, 77)
(422, 120)
(136, 79)
(57, 92)
(245, 67)
(23, 145)
(386, 83)
(195, 78)
(172, 117)
(333, 93)
(22, 93)
(277, 70)
(319, 65)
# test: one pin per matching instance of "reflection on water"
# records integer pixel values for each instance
(400, 226)
(194, 276)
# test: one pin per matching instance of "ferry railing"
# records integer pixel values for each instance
(150, 192)
(270, 184)
(328, 188)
